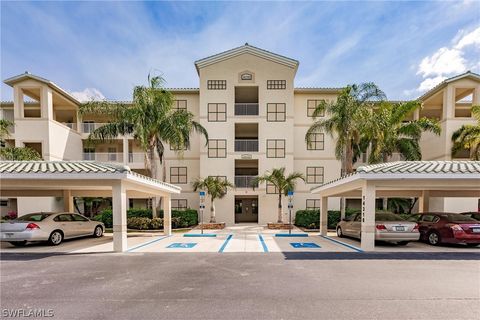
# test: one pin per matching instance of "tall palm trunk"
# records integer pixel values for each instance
(348, 158)
(212, 211)
(280, 218)
(153, 175)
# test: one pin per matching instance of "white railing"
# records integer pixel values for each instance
(103, 156)
(71, 125)
(136, 157)
(245, 181)
(89, 127)
(246, 145)
(246, 109)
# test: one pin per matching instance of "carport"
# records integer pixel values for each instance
(68, 179)
(422, 179)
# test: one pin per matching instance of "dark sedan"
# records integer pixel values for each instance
(442, 227)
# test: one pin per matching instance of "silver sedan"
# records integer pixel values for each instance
(388, 227)
(51, 227)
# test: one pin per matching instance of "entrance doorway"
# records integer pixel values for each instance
(246, 209)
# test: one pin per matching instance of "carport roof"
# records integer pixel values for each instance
(410, 170)
(77, 170)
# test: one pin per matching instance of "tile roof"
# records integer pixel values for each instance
(413, 167)
(423, 167)
(61, 167)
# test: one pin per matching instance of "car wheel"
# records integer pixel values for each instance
(403, 243)
(433, 238)
(98, 232)
(18, 243)
(56, 237)
(472, 244)
(339, 232)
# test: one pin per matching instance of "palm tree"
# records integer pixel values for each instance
(150, 119)
(215, 187)
(387, 131)
(283, 184)
(468, 137)
(14, 153)
(345, 119)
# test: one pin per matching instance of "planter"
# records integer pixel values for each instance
(279, 226)
(211, 226)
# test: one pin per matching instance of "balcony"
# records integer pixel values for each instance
(246, 109)
(246, 145)
(89, 127)
(245, 182)
(103, 156)
(71, 125)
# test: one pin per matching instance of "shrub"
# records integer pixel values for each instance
(139, 223)
(310, 219)
(180, 218)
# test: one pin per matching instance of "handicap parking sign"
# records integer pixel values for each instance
(298, 245)
(184, 245)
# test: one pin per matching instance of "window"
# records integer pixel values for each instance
(313, 204)
(271, 189)
(88, 153)
(217, 84)
(77, 217)
(311, 106)
(217, 112)
(3, 203)
(63, 218)
(276, 84)
(217, 148)
(179, 204)
(180, 104)
(314, 175)
(276, 148)
(276, 112)
(317, 142)
(112, 154)
(178, 175)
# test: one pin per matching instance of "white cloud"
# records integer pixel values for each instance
(461, 56)
(88, 94)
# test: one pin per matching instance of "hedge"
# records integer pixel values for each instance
(142, 218)
(310, 219)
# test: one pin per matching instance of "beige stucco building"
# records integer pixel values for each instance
(256, 119)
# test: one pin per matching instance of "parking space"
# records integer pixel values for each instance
(414, 246)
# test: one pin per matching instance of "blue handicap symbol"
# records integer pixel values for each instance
(304, 245)
(184, 245)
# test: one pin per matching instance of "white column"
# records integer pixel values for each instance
(323, 216)
(46, 103)
(18, 104)
(368, 217)
(119, 201)
(125, 150)
(167, 215)
(68, 201)
(424, 201)
(343, 207)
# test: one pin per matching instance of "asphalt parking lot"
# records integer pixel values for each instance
(289, 285)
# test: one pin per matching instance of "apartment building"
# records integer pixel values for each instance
(256, 119)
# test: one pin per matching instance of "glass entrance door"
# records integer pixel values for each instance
(246, 210)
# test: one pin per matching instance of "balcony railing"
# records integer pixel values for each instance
(246, 109)
(71, 125)
(136, 157)
(104, 156)
(89, 127)
(246, 145)
(245, 181)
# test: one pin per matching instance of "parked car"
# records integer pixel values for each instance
(443, 227)
(51, 227)
(388, 227)
(474, 215)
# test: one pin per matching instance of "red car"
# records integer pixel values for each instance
(443, 227)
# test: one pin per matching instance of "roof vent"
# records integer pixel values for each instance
(246, 43)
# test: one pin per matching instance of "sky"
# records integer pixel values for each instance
(103, 49)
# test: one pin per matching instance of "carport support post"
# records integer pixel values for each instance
(368, 217)
(424, 205)
(119, 206)
(323, 216)
(68, 201)
(167, 216)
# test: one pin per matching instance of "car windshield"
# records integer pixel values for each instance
(34, 216)
(459, 217)
(386, 216)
